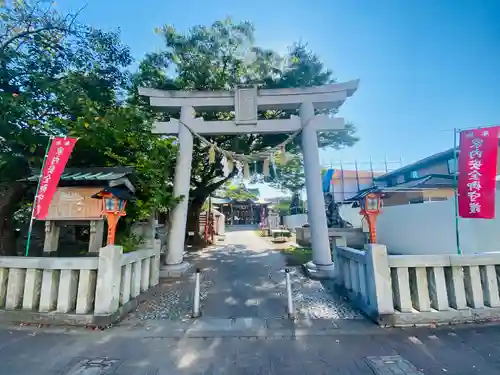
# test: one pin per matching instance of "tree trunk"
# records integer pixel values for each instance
(10, 195)
(193, 221)
(200, 195)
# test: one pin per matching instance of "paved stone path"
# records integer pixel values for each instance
(126, 350)
(243, 277)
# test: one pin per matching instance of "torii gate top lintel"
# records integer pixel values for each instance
(246, 101)
(174, 100)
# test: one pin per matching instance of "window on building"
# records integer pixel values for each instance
(438, 199)
(416, 200)
(411, 176)
(452, 166)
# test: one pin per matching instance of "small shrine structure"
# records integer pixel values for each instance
(242, 212)
(73, 204)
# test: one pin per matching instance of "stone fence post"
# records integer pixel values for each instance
(108, 280)
(379, 279)
(155, 264)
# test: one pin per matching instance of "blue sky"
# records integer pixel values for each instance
(425, 66)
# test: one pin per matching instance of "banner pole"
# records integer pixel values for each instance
(30, 228)
(455, 188)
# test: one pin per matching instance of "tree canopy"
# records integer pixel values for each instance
(289, 176)
(238, 192)
(59, 77)
(218, 57)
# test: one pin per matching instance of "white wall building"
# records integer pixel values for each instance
(429, 228)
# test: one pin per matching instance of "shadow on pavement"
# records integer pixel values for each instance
(138, 351)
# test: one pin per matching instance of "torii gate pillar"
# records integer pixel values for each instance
(246, 101)
(321, 265)
(174, 264)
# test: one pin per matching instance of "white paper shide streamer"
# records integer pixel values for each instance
(225, 166)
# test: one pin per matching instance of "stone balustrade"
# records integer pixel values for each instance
(419, 289)
(353, 236)
(364, 278)
(96, 290)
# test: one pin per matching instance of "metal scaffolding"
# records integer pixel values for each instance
(344, 179)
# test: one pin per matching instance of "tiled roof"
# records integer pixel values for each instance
(430, 182)
(444, 155)
(220, 200)
(89, 174)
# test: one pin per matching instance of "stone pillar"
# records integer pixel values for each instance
(51, 241)
(150, 232)
(96, 235)
(154, 273)
(321, 265)
(378, 274)
(175, 266)
(107, 292)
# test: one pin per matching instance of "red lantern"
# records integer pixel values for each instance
(370, 208)
(113, 207)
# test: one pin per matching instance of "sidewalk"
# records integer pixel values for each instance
(142, 351)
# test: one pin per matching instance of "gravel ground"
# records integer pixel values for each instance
(318, 300)
(243, 278)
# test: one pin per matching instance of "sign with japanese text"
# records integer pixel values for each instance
(75, 203)
(55, 162)
(477, 165)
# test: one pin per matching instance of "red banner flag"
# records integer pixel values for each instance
(55, 162)
(477, 167)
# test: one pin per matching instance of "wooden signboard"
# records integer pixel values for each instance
(75, 203)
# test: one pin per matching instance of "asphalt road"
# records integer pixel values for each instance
(147, 349)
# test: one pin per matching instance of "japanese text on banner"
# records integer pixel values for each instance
(477, 173)
(57, 157)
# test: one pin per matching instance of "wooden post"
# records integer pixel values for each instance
(51, 242)
(96, 235)
(372, 227)
(112, 223)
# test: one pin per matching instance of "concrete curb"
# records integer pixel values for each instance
(251, 328)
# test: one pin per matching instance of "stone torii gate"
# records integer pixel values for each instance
(246, 101)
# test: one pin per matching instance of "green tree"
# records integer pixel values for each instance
(289, 176)
(283, 206)
(58, 77)
(238, 192)
(218, 57)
